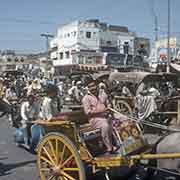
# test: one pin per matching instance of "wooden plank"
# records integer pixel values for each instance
(167, 113)
(51, 122)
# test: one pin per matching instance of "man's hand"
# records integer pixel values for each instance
(107, 109)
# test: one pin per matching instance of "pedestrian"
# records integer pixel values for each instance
(50, 106)
(5, 107)
(30, 110)
(76, 92)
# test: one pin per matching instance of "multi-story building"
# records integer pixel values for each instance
(86, 42)
(9, 60)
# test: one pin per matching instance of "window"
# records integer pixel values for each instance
(16, 59)
(108, 42)
(9, 59)
(22, 59)
(68, 35)
(61, 55)
(88, 35)
(67, 54)
(74, 33)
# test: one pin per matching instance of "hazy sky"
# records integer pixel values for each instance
(22, 21)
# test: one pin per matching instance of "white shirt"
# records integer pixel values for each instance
(29, 112)
(49, 108)
(10, 94)
(154, 92)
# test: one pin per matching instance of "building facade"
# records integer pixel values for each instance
(89, 41)
(161, 48)
(9, 60)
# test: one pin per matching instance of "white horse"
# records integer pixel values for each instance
(169, 144)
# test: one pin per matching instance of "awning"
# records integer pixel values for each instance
(86, 67)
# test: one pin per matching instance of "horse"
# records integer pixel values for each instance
(169, 144)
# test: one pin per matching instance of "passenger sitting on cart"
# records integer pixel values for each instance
(126, 91)
(50, 106)
(29, 112)
(76, 92)
(96, 111)
(145, 102)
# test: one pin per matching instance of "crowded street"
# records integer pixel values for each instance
(90, 90)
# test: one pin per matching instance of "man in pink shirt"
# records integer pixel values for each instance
(96, 110)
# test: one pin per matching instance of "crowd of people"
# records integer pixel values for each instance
(42, 98)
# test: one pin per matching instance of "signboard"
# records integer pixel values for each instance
(115, 59)
(163, 43)
(163, 54)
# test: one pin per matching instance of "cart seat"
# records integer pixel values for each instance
(92, 139)
(78, 117)
(85, 128)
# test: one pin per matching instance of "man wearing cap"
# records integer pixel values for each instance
(35, 86)
(97, 113)
(103, 97)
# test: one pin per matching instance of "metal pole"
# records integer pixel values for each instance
(156, 37)
(47, 36)
(156, 29)
(169, 28)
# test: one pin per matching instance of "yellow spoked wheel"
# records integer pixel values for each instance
(58, 159)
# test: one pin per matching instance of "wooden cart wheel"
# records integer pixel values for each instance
(58, 159)
(123, 107)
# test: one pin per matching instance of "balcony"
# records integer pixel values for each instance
(53, 49)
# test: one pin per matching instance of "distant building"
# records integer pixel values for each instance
(142, 46)
(87, 42)
(161, 47)
(9, 60)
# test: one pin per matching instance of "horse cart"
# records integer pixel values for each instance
(167, 104)
(71, 150)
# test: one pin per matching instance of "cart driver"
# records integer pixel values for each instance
(97, 113)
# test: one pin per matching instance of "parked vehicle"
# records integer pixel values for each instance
(167, 104)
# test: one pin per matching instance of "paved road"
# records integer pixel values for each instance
(15, 163)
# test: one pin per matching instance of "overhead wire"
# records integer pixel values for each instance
(25, 21)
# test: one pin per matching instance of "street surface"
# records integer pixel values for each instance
(15, 163)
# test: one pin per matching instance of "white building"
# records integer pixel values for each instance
(12, 61)
(161, 47)
(85, 42)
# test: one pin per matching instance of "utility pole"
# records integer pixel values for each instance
(156, 28)
(168, 42)
(47, 36)
(156, 35)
